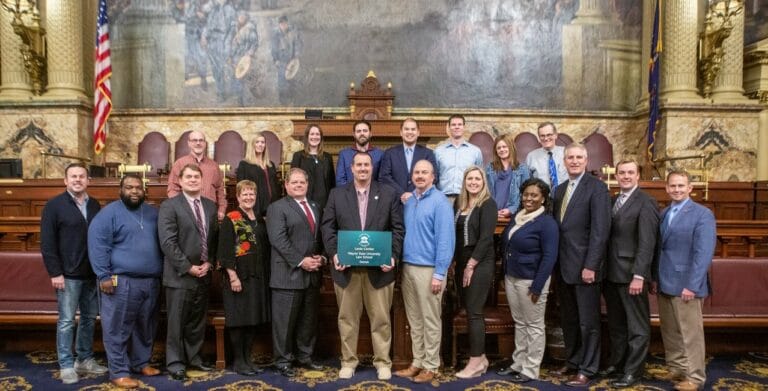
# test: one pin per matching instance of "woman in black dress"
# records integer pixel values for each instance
(244, 254)
(317, 164)
(258, 168)
(475, 217)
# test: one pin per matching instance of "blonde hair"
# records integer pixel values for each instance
(484, 194)
(245, 184)
(250, 152)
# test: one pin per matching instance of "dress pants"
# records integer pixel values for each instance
(129, 323)
(682, 331)
(473, 299)
(359, 294)
(580, 320)
(629, 327)
(186, 326)
(294, 324)
(241, 344)
(423, 310)
(530, 336)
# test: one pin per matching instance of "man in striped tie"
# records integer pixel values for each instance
(546, 163)
(187, 228)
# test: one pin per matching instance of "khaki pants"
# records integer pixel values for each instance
(351, 300)
(682, 330)
(423, 310)
(530, 339)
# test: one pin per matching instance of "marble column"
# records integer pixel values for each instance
(590, 12)
(65, 49)
(728, 84)
(645, 51)
(762, 146)
(679, 58)
(14, 81)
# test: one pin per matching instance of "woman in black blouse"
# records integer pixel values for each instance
(244, 255)
(317, 164)
(258, 168)
(475, 217)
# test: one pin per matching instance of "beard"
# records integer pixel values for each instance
(129, 203)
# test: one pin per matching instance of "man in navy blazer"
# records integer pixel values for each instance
(398, 161)
(686, 246)
(583, 209)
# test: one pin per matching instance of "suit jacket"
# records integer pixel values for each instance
(584, 229)
(180, 240)
(685, 250)
(394, 169)
(385, 213)
(632, 245)
(292, 240)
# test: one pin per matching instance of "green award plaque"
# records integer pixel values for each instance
(364, 248)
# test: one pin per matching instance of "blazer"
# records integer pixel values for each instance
(632, 244)
(64, 237)
(319, 169)
(292, 240)
(531, 252)
(180, 240)
(584, 229)
(394, 169)
(478, 231)
(385, 213)
(685, 250)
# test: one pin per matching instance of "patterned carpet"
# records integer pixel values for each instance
(38, 370)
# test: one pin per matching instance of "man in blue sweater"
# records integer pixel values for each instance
(125, 255)
(63, 244)
(427, 253)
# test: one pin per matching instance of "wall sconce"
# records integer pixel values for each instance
(33, 50)
(717, 27)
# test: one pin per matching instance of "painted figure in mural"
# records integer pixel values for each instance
(217, 37)
(195, 16)
(245, 43)
(286, 48)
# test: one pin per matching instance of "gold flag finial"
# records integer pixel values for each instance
(371, 74)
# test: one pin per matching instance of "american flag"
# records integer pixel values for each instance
(102, 94)
(654, 72)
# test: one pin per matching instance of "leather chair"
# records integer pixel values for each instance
(275, 147)
(525, 143)
(155, 150)
(229, 148)
(181, 148)
(600, 153)
(484, 141)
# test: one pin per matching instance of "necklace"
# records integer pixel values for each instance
(140, 222)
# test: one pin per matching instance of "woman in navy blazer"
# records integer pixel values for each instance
(529, 245)
(505, 175)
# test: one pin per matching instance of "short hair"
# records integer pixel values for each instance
(361, 121)
(409, 119)
(543, 188)
(453, 116)
(297, 170)
(306, 139)
(432, 166)
(496, 164)
(245, 184)
(680, 172)
(76, 165)
(282, 19)
(628, 160)
(190, 166)
(358, 153)
(577, 146)
(547, 123)
(131, 175)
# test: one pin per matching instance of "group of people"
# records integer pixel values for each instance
(441, 208)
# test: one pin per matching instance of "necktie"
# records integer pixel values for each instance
(670, 216)
(310, 219)
(203, 233)
(566, 199)
(408, 157)
(619, 203)
(552, 172)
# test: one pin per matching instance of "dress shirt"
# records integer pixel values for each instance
(451, 163)
(538, 162)
(82, 206)
(211, 182)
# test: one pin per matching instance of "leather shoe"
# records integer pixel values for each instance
(150, 371)
(179, 375)
(578, 380)
(286, 371)
(409, 372)
(608, 372)
(201, 367)
(310, 365)
(624, 382)
(506, 371)
(246, 372)
(125, 382)
(257, 370)
(519, 378)
(425, 376)
(687, 385)
(562, 371)
(672, 376)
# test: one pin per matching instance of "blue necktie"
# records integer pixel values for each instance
(408, 157)
(668, 218)
(552, 172)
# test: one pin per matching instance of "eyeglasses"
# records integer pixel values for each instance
(196, 140)
(548, 135)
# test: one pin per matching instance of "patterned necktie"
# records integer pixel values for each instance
(552, 172)
(202, 231)
(408, 157)
(668, 218)
(619, 203)
(566, 199)
(310, 219)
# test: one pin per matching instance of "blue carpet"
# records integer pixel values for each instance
(39, 370)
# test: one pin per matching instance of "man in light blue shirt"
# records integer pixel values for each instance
(427, 253)
(541, 161)
(454, 156)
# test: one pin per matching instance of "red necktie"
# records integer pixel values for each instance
(309, 217)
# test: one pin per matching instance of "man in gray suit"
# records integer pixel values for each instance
(294, 232)
(634, 225)
(187, 228)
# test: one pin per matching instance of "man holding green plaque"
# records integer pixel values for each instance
(358, 221)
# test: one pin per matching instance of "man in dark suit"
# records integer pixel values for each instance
(398, 161)
(294, 233)
(631, 249)
(583, 209)
(364, 205)
(187, 227)
(686, 246)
